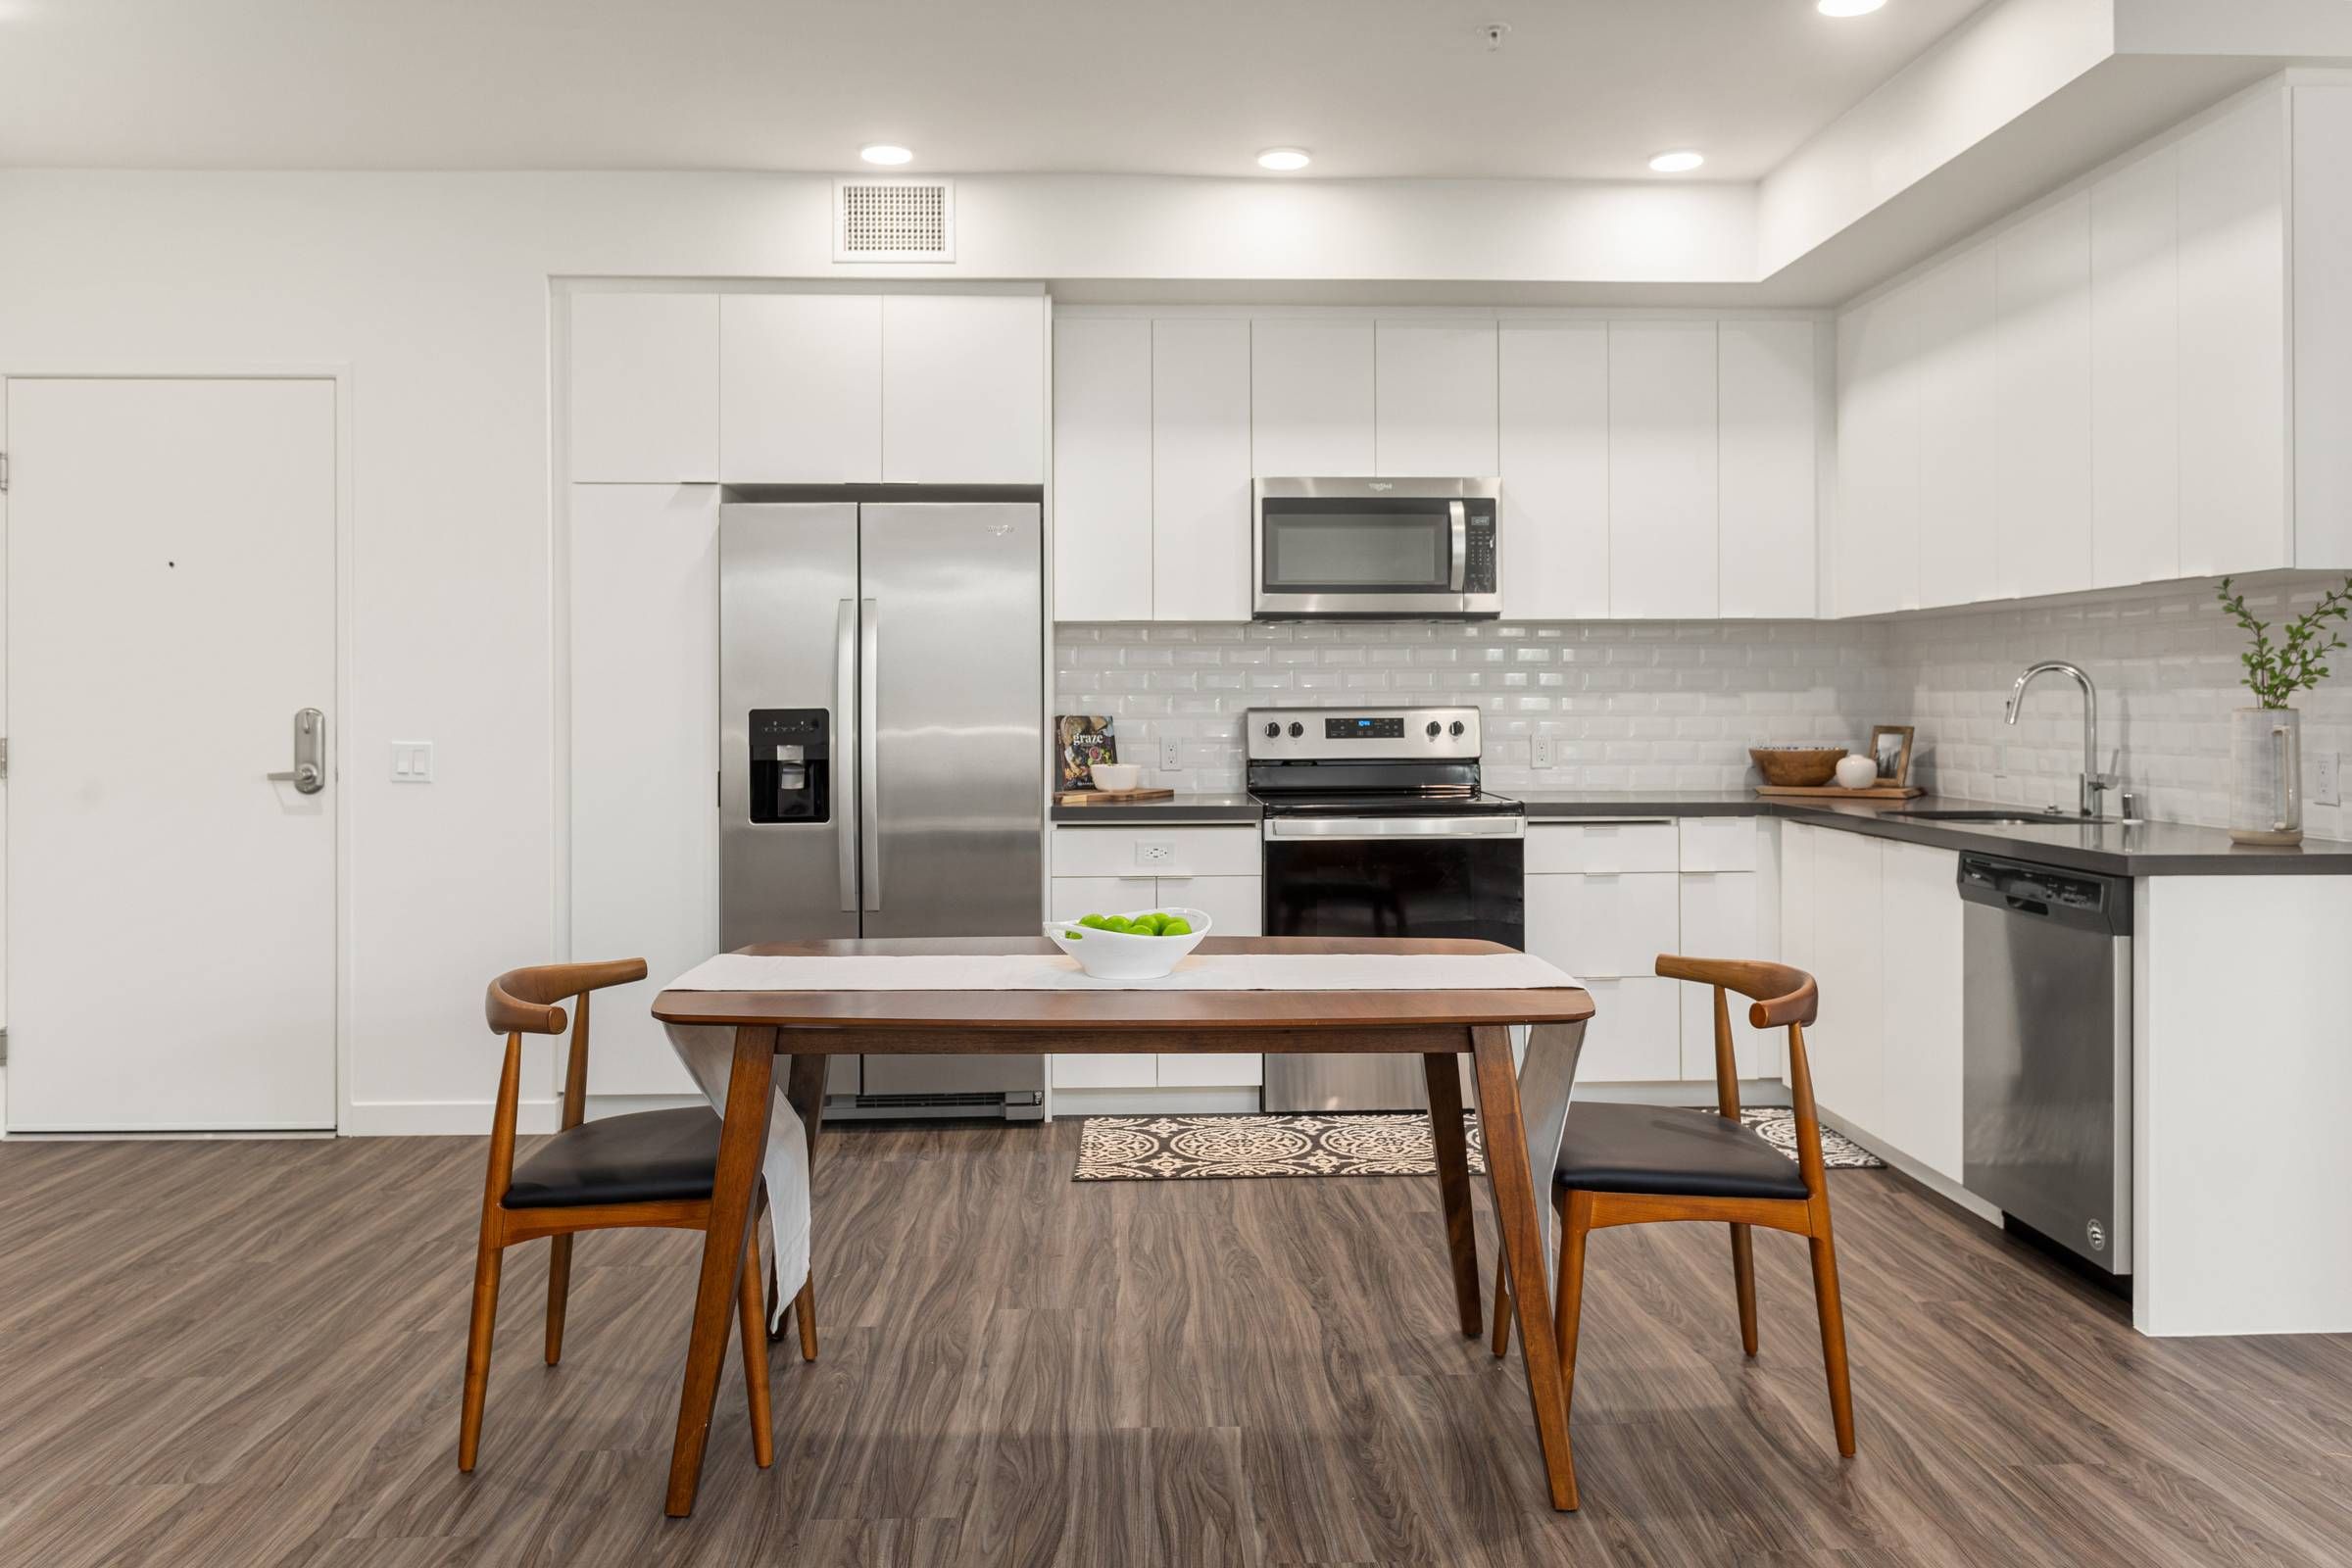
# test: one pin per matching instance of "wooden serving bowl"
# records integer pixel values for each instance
(1797, 767)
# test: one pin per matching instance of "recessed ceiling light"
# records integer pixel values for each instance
(1284, 158)
(1846, 8)
(883, 152)
(1677, 162)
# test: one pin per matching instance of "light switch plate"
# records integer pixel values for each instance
(1171, 757)
(1542, 751)
(2327, 789)
(412, 761)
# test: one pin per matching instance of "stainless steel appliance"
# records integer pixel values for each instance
(2046, 1052)
(882, 748)
(1376, 825)
(1385, 549)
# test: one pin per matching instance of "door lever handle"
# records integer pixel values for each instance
(309, 772)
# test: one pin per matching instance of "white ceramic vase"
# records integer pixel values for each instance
(2266, 775)
(1856, 771)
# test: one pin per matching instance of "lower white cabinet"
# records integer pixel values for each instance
(1849, 960)
(1602, 923)
(1635, 1036)
(1721, 920)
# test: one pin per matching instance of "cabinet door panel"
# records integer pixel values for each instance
(2135, 374)
(1848, 964)
(1958, 398)
(2043, 347)
(1919, 1030)
(800, 380)
(644, 754)
(963, 389)
(645, 389)
(1602, 925)
(1071, 896)
(1721, 920)
(1602, 847)
(1200, 470)
(1554, 460)
(1662, 470)
(1876, 564)
(1768, 454)
(1717, 843)
(1102, 438)
(1433, 398)
(1635, 1036)
(1311, 399)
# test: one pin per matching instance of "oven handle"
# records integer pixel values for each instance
(1394, 827)
(1460, 515)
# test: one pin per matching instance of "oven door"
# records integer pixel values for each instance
(1375, 548)
(1384, 876)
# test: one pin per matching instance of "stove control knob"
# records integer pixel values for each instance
(1272, 729)
(1297, 729)
(1454, 728)
(1432, 729)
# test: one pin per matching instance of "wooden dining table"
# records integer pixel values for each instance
(1523, 1106)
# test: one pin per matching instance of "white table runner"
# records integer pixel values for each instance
(1227, 971)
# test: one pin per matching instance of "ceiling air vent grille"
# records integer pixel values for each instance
(894, 220)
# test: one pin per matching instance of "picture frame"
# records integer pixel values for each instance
(1890, 749)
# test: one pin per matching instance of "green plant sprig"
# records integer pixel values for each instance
(2276, 671)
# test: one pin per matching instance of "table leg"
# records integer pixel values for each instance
(1452, 1149)
(1520, 1126)
(734, 1186)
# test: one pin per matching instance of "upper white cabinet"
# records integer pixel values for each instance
(2321, 203)
(2042, 444)
(1768, 455)
(1312, 398)
(1103, 472)
(1662, 470)
(643, 388)
(1200, 470)
(2135, 374)
(1554, 454)
(1877, 556)
(1433, 399)
(963, 389)
(1956, 396)
(800, 378)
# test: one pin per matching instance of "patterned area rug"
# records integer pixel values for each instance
(1151, 1148)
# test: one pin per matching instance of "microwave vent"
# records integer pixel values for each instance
(894, 220)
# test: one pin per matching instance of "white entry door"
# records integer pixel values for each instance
(171, 608)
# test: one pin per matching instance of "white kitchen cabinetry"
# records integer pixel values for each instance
(1236, 904)
(963, 389)
(1876, 556)
(1919, 911)
(1103, 473)
(1768, 456)
(1849, 962)
(2042, 348)
(1956, 395)
(643, 388)
(1662, 470)
(1602, 923)
(2135, 374)
(1199, 471)
(1635, 1034)
(1721, 920)
(1312, 398)
(1433, 399)
(800, 379)
(1072, 896)
(1554, 459)
(643, 742)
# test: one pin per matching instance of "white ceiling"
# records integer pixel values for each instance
(1579, 88)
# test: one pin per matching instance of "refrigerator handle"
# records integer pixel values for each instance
(869, 732)
(845, 739)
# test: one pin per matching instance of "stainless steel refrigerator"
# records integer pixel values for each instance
(882, 748)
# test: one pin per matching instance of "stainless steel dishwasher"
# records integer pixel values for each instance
(2047, 1032)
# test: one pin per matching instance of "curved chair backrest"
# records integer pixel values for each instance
(1782, 994)
(524, 1002)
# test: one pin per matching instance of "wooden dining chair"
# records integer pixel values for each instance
(1626, 1165)
(649, 1168)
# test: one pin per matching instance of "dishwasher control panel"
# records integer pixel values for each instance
(2024, 887)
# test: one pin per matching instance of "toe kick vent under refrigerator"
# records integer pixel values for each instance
(882, 750)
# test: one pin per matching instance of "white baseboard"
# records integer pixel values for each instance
(1068, 1103)
(440, 1118)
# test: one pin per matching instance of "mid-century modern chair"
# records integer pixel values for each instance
(651, 1167)
(1634, 1164)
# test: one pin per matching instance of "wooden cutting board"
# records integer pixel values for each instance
(1830, 792)
(1111, 796)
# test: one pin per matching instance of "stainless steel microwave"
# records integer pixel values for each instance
(1386, 549)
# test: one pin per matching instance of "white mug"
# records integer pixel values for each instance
(1856, 771)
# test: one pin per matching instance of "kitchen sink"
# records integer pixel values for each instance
(2035, 819)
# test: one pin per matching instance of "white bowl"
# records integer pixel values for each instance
(1116, 776)
(1119, 956)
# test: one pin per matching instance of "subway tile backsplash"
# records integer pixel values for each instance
(1675, 705)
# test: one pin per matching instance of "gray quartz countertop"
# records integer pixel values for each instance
(1234, 807)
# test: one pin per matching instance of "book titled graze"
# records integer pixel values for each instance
(1086, 739)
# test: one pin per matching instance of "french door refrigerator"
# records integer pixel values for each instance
(882, 750)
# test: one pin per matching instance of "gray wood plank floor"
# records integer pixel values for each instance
(248, 1354)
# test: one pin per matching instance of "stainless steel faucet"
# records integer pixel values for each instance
(2093, 781)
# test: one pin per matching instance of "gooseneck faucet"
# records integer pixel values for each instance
(2093, 781)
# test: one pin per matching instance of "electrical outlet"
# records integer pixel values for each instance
(412, 761)
(1171, 757)
(1149, 853)
(2329, 787)
(1541, 747)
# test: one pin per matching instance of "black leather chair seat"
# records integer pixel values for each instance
(1681, 1154)
(646, 1156)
